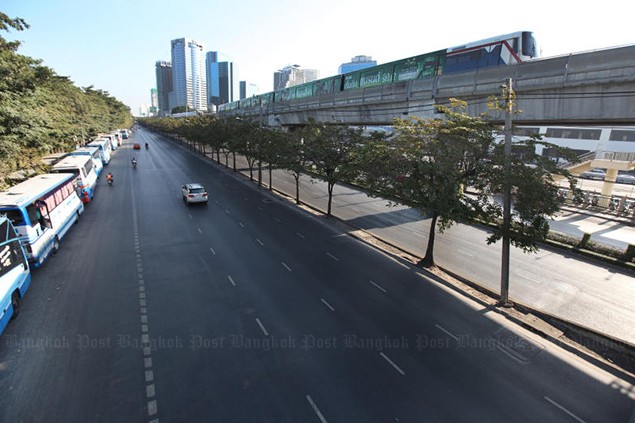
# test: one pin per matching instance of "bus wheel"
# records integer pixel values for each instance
(56, 244)
(15, 303)
(76, 217)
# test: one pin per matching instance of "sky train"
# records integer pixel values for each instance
(502, 50)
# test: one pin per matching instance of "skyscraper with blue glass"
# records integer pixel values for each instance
(220, 79)
(188, 74)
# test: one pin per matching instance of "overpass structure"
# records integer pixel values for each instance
(592, 88)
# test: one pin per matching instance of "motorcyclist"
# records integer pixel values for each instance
(146, 146)
(134, 162)
(109, 178)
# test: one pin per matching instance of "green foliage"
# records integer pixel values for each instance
(41, 112)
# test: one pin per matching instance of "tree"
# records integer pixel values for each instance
(330, 151)
(293, 156)
(429, 163)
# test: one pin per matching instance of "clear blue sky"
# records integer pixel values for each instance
(113, 44)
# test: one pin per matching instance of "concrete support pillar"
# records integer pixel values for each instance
(607, 187)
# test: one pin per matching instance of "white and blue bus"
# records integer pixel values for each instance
(42, 210)
(105, 149)
(85, 176)
(94, 153)
(15, 275)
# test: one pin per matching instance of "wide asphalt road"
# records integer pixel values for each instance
(251, 310)
(584, 291)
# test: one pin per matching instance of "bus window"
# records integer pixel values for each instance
(15, 216)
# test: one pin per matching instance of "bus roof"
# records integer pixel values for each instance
(90, 150)
(97, 143)
(71, 162)
(30, 190)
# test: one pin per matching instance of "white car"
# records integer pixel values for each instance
(194, 193)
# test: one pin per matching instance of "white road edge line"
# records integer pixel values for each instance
(564, 409)
(378, 287)
(392, 363)
(448, 333)
(262, 327)
(316, 409)
(327, 304)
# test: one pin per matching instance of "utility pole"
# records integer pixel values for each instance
(504, 296)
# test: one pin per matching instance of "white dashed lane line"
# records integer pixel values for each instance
(392, 363)
(150, 388)
(316, 410)
(262, 327)
(381, 288)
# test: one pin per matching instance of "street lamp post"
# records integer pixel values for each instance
(504, 296)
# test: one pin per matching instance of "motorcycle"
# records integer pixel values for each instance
(147, 146)
(134, 164)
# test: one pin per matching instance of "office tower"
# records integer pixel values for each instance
(154, 101)
(247, 89)
(293, 75)
(356, 63)
(164, 86)
(220, 79)
(188, 74)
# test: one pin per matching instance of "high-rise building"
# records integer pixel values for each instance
(247, 89)
(356, 63)
(293, 75)
(154, 101)
(219, 71)
(164, 86)
(188, 74)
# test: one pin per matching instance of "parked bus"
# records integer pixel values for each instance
(92, 152)
(15, 275)
(105, 149)
(114, 142)
(85, 176)
(42, 210)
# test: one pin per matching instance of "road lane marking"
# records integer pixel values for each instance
(227, 211)
(262, 327)
(530, 278)
(565, 410)
(152, 407)
(241, 225)
(332, 256)
(231, 280)
(464, 252)
(277, 220)
(378, 287)
(286, 267)
(260, 242)
(392, 363)
(448, 333)
(300, 235)
(150, 391)
(212, 250)
(418, 234)
(316, 410)
(149, 375)
(327, 304)
(200, 231)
